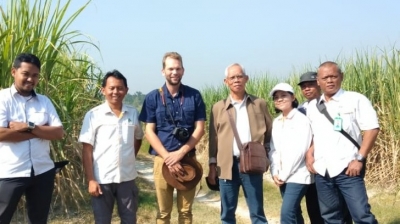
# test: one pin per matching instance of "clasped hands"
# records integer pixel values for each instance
(173, 161)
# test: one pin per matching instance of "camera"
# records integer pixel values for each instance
(182, 134)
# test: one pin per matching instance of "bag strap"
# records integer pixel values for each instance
(235, 131)
(322, 109)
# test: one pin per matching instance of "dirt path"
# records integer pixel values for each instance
(145, 170)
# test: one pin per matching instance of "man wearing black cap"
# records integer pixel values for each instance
(311, 90)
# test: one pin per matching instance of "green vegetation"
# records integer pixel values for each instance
(374, 75)
(68, 77)
(72, 81)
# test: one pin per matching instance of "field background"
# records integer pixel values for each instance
(72, 80)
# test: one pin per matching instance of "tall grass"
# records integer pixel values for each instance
(375, 75)
(68, 77)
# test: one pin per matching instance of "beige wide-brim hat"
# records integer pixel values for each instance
(190, 178)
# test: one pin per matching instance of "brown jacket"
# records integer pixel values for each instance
(221, 134)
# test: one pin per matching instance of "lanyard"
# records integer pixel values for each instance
(165, 105)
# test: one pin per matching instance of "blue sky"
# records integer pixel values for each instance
(275, 37)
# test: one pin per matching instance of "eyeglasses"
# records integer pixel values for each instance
(332, 77)
(238, 77)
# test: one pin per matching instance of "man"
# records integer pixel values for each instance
(311, 90)
(253, 123)
(28, 122)
(174, 115)
(338, 164)
(111, 136)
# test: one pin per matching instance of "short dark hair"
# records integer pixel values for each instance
(27, 58)
(330, 63)
(295, 104)
(116, 74)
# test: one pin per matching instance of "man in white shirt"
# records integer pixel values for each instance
(28, 121)
(339, 164)
(111, 136)
(311, 90)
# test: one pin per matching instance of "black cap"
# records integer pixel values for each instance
(308, 77)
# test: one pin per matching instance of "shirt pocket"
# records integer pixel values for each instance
(161, 117)
(128, 133)
(38, 117)
(348, 116)
(188, 114)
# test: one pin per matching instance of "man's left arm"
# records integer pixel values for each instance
(268, 124)
(368, 142)
(138, 136)
(367, 120)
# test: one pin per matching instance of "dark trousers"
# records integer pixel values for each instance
(38, 191)
(127, 196)
(332, 191)
(313, 207)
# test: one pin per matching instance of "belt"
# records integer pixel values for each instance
(236, 158)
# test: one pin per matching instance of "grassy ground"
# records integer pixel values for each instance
(385, 204)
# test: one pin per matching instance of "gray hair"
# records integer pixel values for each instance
(235, 64)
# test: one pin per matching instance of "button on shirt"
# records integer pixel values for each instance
(18, 158)
(185, 108)
(332, 150)
(112, 139)
(291, 138)
(242, 124)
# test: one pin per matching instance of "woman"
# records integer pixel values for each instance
(291, 138)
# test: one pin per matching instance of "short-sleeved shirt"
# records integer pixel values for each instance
(332, 150)
(112, 138)
(18, 158)
(163, 109)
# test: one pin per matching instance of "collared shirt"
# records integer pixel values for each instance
(221, 135)
(332, 150)
(163, 109)
(18, 158)
(242, 124)
(112, 138)
(291, 138)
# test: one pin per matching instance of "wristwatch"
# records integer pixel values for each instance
(31, 126)
(360, 158)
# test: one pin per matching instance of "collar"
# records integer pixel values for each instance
(290, 115)
(105, 108)
(335, 97)
(247, 98)
(168, 94)
(15, 91)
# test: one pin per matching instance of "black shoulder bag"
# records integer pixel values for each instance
(322, 109)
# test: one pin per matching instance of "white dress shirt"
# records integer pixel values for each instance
(332, 150)
(291, 138)
(242, 124)
(18, 158)
(112, 139)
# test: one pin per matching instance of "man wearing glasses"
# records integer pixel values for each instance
(253, 123)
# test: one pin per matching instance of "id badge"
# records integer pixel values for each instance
(337, 123)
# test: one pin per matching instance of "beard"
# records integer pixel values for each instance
(174, 83)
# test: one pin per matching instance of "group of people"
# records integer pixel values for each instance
(311, 155)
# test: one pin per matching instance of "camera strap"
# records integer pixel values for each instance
(166, 106)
